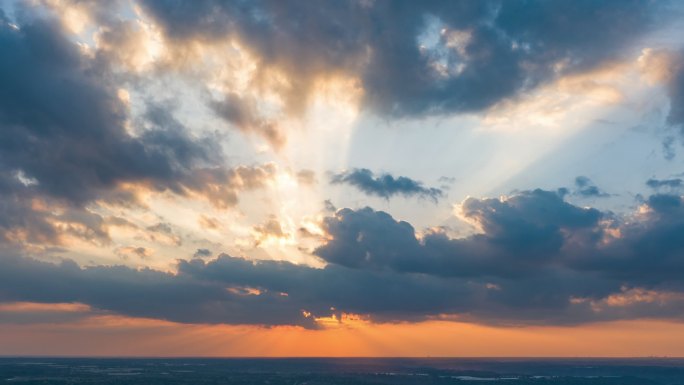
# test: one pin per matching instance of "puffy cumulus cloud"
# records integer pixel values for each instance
(68, 141)
(128, 45)
(271, 229)
(39, 222)
(411, 58)
(538, 259)
(537, 255)
(78, 15)
(64, 127)
(520, 232)
(385, 185)
(108, 32)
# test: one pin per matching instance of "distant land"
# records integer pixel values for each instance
(311, 371)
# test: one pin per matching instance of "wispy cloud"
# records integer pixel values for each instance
(385, 185)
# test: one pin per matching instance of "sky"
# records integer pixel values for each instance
(344, 178)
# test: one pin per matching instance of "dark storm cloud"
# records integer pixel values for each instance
(415, 58)
(65, 140)
(538, 255)
(539, 260)
(140, 293)
(218, 291)
(523, 232)
(63, 126)
(385, 185)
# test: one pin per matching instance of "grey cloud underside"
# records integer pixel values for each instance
(385, 185)
(673, 183)
(63, 126)
(513, 45)
(64, 139)
(675, 89)
(539, 260)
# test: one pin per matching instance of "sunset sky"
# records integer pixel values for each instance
(341, 178)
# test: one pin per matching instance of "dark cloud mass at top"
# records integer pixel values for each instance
(63, 125)
(67, 139)
(416, 57)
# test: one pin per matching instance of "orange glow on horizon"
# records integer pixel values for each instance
(108, 335)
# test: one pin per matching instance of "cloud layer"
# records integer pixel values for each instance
(78, 152)
(538, 260)
(413, 58)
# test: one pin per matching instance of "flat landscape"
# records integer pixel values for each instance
(312, 371)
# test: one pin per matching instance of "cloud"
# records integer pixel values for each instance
(64, 127)
(587, 189)
(675, 86)
(306, 177)
(270, 229)
(523, 231)
(138, 252)
(535, 251)
(242, 113)
(162, 233)
(208, 223)
(416, 58)
(202, 253)
(667, 67)
(669, 150)
(71, 151)
(673, 183)
(67, 141)
(385, 185)
(27, 313)
(29, 219)
(538, 260)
